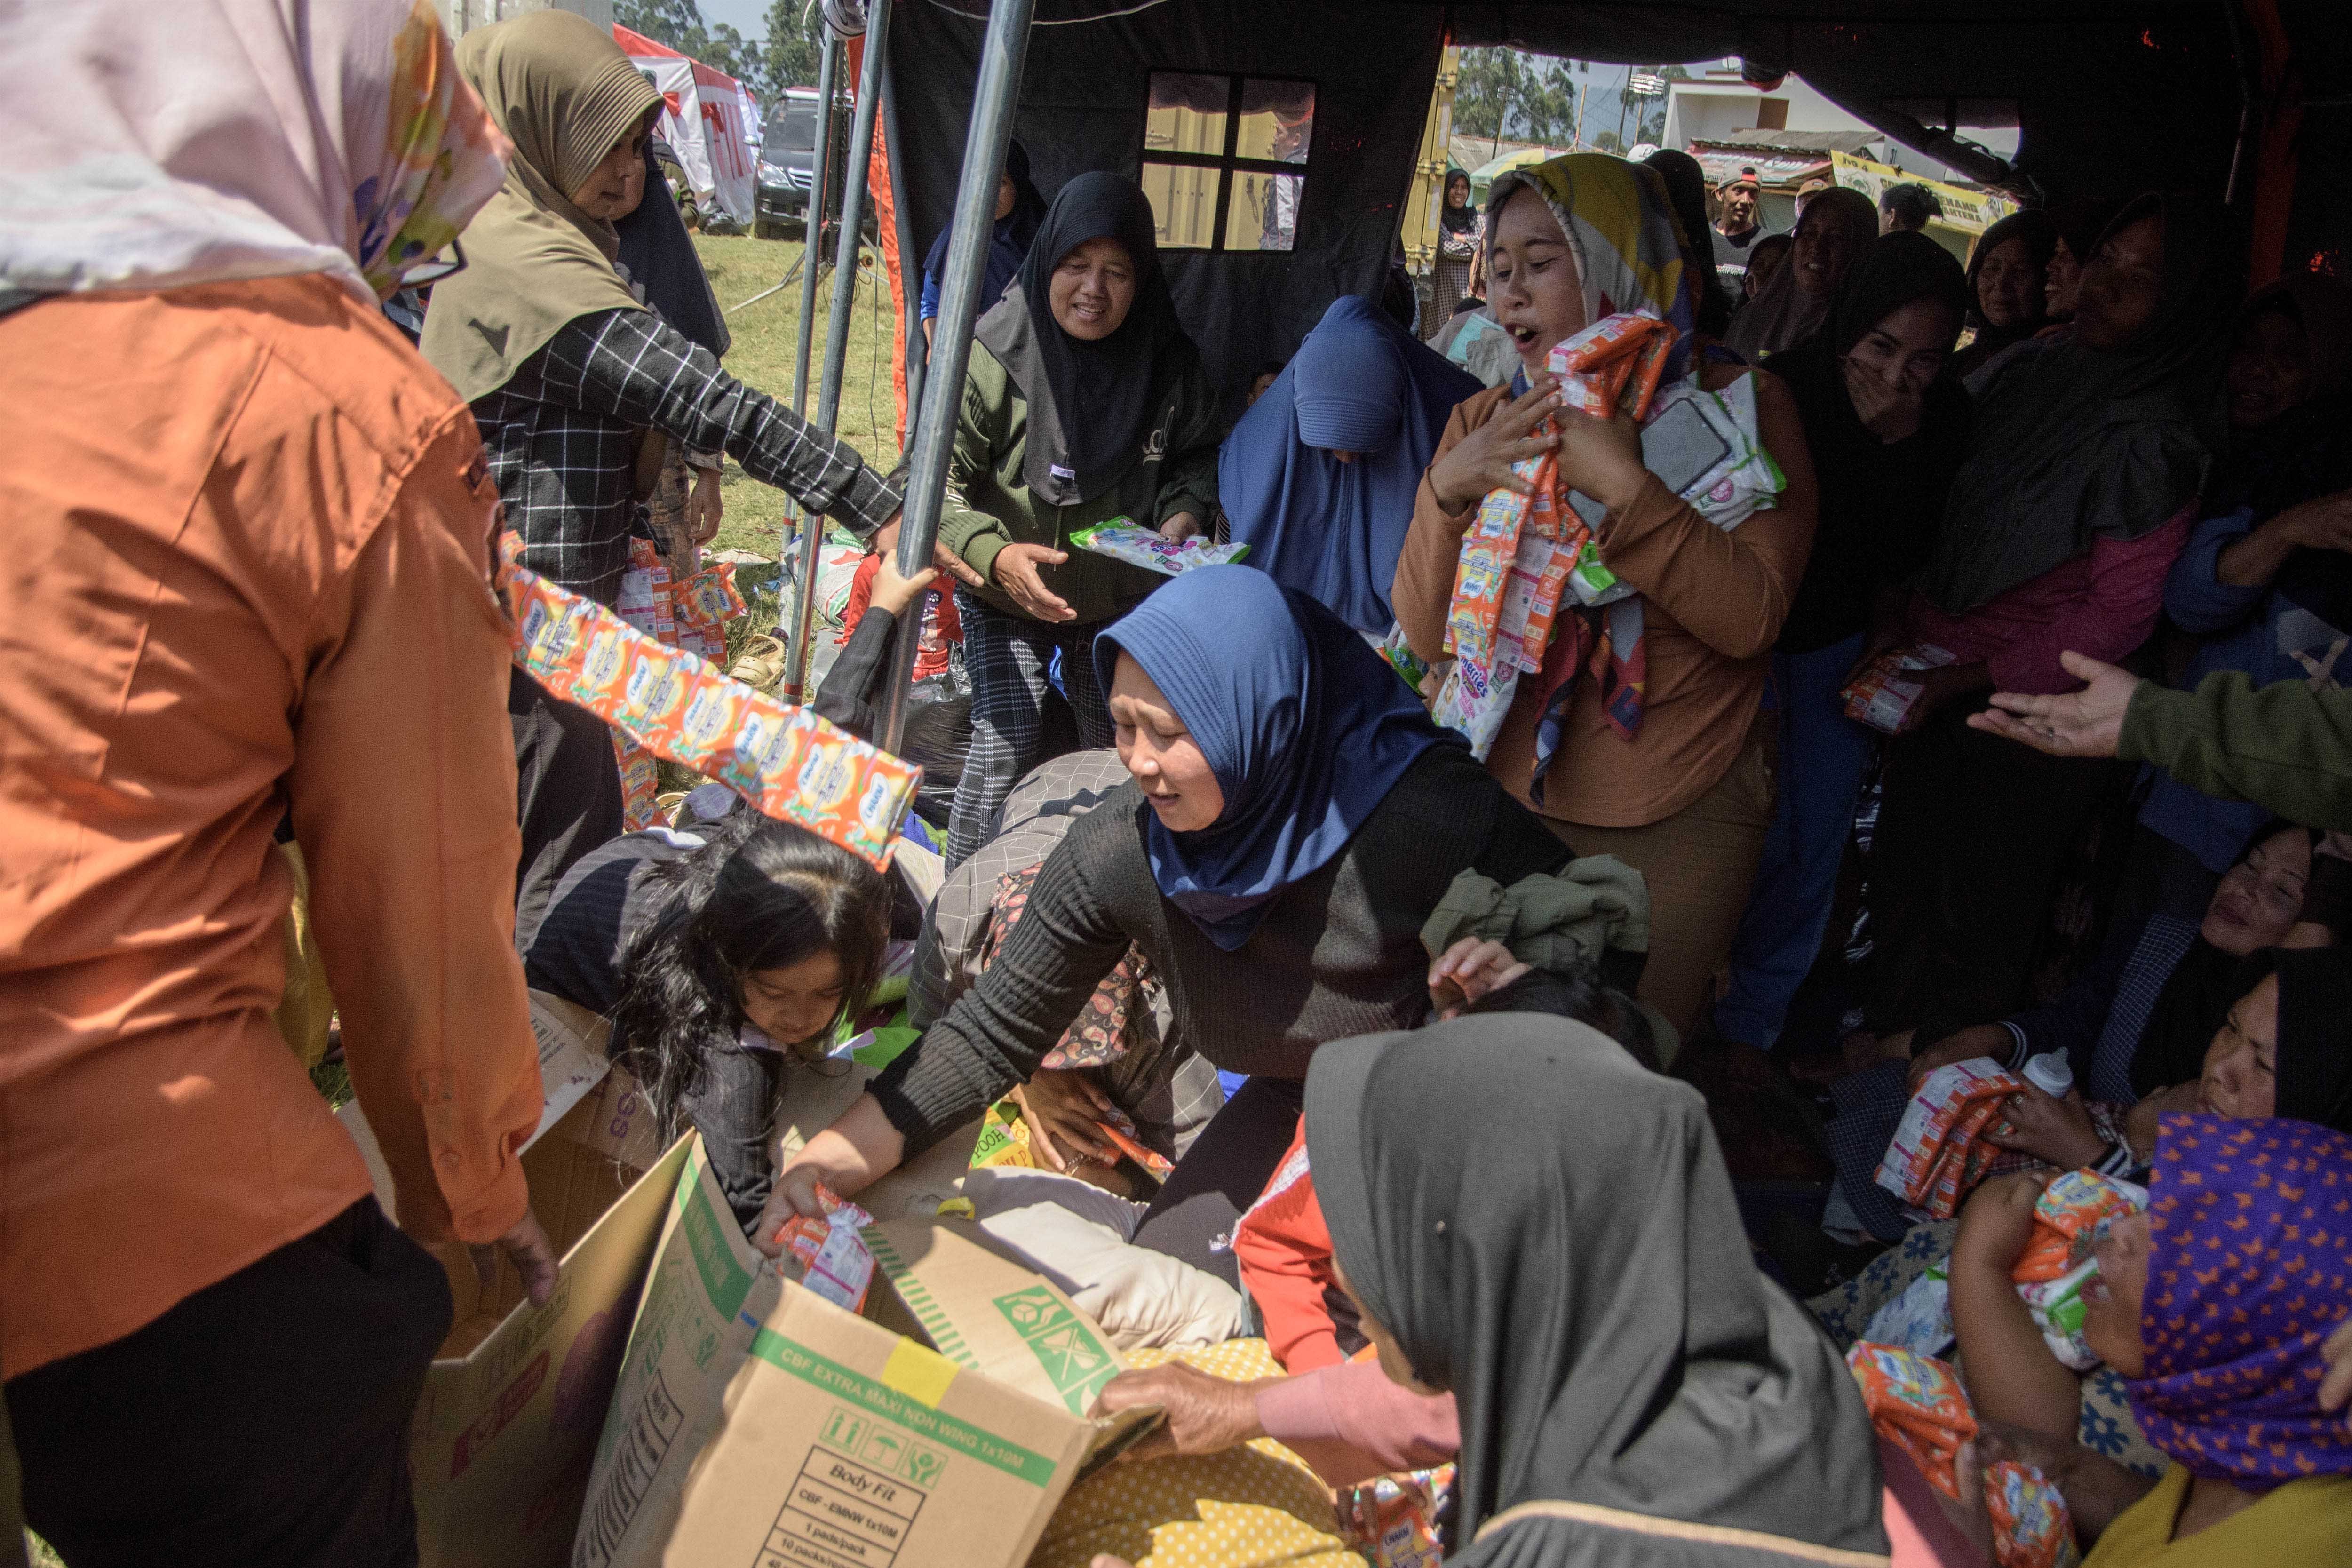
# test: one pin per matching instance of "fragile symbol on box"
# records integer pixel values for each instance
(842, 1513)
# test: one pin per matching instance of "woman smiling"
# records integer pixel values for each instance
(1295, 819)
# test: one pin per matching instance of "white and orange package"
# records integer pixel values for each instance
(1935, 1155)
(2073, 1211)
(1917, 1403)
(789, 764)
(1881, 697)
(828, 1256)
(1612, 367)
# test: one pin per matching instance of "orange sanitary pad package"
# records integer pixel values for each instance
(788, 762)
(1935, 1155)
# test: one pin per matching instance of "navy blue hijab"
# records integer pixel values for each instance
(1304, 725)
(1008, 239)
(1332, 530)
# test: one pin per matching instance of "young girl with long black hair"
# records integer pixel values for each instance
(717, 955)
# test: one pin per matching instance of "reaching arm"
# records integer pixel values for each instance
(639, 368)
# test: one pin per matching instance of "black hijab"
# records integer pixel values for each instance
(2305, 452)
(2314, 1031)
(2197, 997)
(2040, 238)
(1687, 192)
(1090, 404)
(659, 254)
(1463, 219)
(2072, 444)
(1881, 502)
(1549, 1230)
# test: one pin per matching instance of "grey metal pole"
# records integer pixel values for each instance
(1001, 55)
(812, 527)
(854, 179)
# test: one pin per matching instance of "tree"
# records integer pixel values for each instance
(1504, 93)
(1607, 141)
(796, 43)
(678, 23)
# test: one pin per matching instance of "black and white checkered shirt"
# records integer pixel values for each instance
(562, 438)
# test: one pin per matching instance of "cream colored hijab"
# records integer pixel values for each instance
(563, 92)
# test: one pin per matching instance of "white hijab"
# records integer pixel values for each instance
(155, 145)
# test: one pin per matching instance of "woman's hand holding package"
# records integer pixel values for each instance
(1062, 1109)
(1997, 1221)
(2139, 1121)
(1015, 570)
(1602, 457)
(1205, 1415)
(1481, 461)
(2048, 1128)
(1180, 526)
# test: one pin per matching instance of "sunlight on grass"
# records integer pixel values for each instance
(765, 336)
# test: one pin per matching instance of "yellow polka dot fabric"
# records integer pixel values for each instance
(1253, 1506)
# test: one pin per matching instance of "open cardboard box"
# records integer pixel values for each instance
(756, 1422)
(507, 1425)
(512, 1403)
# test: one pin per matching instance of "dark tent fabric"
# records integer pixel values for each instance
(2110, 98)
(1083, 94)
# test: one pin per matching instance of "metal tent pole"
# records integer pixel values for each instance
(854, 179)
(812, 528)
(1001, 54)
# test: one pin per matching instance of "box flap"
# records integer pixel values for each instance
(981, 1310)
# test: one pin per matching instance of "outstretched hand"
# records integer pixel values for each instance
(2087, 723)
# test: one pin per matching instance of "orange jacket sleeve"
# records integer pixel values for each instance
(404, 802)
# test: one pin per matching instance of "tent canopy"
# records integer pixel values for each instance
(2109, 98)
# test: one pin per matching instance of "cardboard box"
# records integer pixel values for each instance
(507, 1423)
(756, 1424)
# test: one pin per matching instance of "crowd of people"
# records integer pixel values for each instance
(1388, 1051)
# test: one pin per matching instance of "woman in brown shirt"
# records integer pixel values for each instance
(1683, 790)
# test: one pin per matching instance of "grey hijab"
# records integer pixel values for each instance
(2071, 444)
(1549, 1230)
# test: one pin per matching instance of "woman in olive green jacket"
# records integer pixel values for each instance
(1085, 401)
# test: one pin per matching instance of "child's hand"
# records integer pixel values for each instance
(1998, 1220)
(895, 591)
(892, 591)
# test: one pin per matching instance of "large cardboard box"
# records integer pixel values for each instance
(512, 1404)
(757, 1424)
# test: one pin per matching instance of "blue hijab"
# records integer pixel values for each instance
(1304, 725)
(1332, 530)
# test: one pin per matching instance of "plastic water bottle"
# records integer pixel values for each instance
(2050, 1073)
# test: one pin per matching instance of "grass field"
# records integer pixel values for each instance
(761, 356)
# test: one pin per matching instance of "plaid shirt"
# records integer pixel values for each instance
(562, 437)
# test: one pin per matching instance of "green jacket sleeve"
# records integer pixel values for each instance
(2286, 748)
(970, 533)
(1189, 481)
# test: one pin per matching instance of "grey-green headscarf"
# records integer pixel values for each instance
(1548, 1231)
(564, 93)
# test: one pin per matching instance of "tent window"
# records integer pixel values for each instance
(1225, 159)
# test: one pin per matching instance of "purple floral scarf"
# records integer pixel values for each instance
(2250, 1268)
